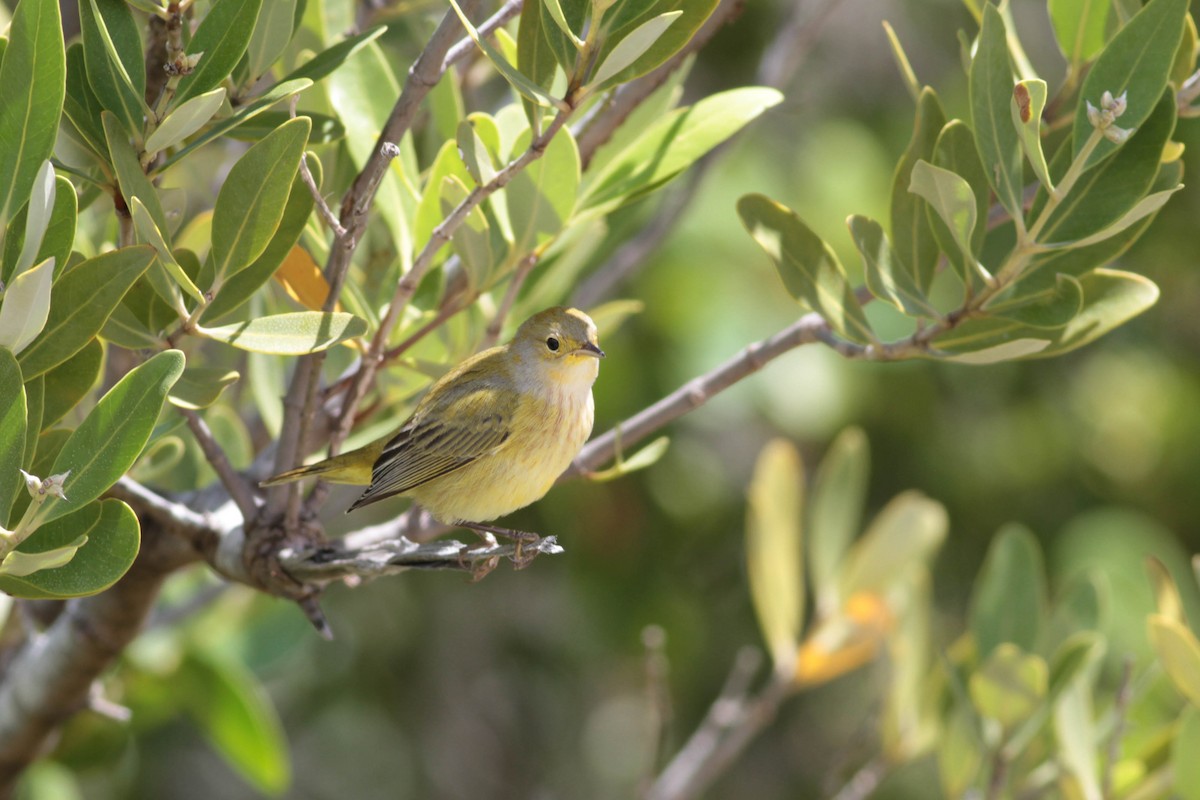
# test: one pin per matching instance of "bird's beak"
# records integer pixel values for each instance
(589, 349)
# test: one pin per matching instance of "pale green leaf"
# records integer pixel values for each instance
(952, 198)
(835, 512)
(131, 178)
(200, 387)
(1029, 99)
(1008, 602)
(774, 549)
(330, 59)
(37, 215)
(1009, 686)
(885, 276)
(289, 334)
(26, 307)
(1052, 307)
(634, 46)
(185, 120)
(903, 535)
(1145, 207)
(1079, 27)
(541, 198)
(272, 32)
(1179, 652)
(522, 84)
(646, 457)
(475, 153)
(144, 224)
(222, 37)
(19, 564)
(1184, 747)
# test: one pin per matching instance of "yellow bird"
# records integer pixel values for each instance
(492, 435)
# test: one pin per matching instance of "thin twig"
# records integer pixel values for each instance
(235, 483)
(658, 697)
(865, 781)
(306, 175)
(492, 334)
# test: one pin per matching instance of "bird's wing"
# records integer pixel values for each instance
(456, 428)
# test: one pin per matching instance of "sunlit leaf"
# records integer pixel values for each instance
(625, 18)
(809, 268)
(222, 37)
(26, 307)
(1009, 686)
(835, 512)
(541, 198)
(302, 279)
(885, 276)
(1075, 729)
(330, 59)
(955, 151)
(37, 215)
(633, 46)
(1166, 593)
(1079, 27)
(905, 533)
(289, 334)
(185, 120)
(1135, 63)
(272, 32)
(1179, 652)
(774, 548)
(646, 457)
(200, 387)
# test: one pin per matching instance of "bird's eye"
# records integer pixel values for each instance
(552, 343)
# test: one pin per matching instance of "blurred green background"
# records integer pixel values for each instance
(533, 684)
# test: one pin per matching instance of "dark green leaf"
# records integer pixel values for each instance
(1110, 299)
(131, 179)
(1136, 62)
(80, 104)
(325, 129)
(1009, 599)
(238, 289)
(279, 91)
(289, 334)
(69, 382)
(884, 275)
(12, 432)
(32, 85)
(251, 201)
(222, 37)
(80, 302)
(535, 57)
(116, 71)
(479, 247)
(809, 268)
(1049, 307)
(913, 242)
(113, 537)
(200, 387)
(272, 32)
(327, 61)
(35, 396)
(991, 88)
(109, 440)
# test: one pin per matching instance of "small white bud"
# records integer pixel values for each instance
(1119, 105)
(54, 485)
(1118, 135)
(33, 484)
(1093, 115)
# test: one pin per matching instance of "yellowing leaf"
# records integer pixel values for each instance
(846, 642)
(300, 276)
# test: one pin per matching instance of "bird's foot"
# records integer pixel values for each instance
(479, 567)
(521, 557)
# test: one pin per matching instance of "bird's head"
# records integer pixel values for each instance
(563, 342)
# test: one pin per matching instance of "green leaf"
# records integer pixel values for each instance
(110, 438)
(535, 56)
(363, 93)
(541, 198)
(835, 512)
(1079, 27)
(1072, 659)
(632, 47)
(289, 334)
(80, 104)
(238, 289)
(185, 120)
(774, 549)
(629, 17)
(808, 266)
(19, 564)
(886, 279)
(131, 179)
(474, 241)
(143, 221)
(1110, 299)
(328, 60)
(1009, 686)
(1029, 99)
(113, 536)
(955, 151)
(222, 37)
(236, 715)
(555, 9)
(903, 535)
(1167, 600)
(960, 752)
(69, 382)
(112, 50)
(1009, 603)
(35, 395)
(200, 387)
(1075, 730)
(251, 201)
(325, 129)
(672, 144)
(1184, 764)
(80, 302)
(429, 210)
(1145, 207)
(1050, 307)
(1136, 63)
(272, 32)
(26, 307)
(279, 91)
(913, 242)
(648, 456)
(952, 198)
(991, 88)
(1109, 192)
(523, 85)
(32, 86)
(475, 153)
(12, 432)
(1179, 652)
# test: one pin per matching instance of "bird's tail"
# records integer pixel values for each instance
(354, 468)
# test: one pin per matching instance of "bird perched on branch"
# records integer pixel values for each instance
(492, 435)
